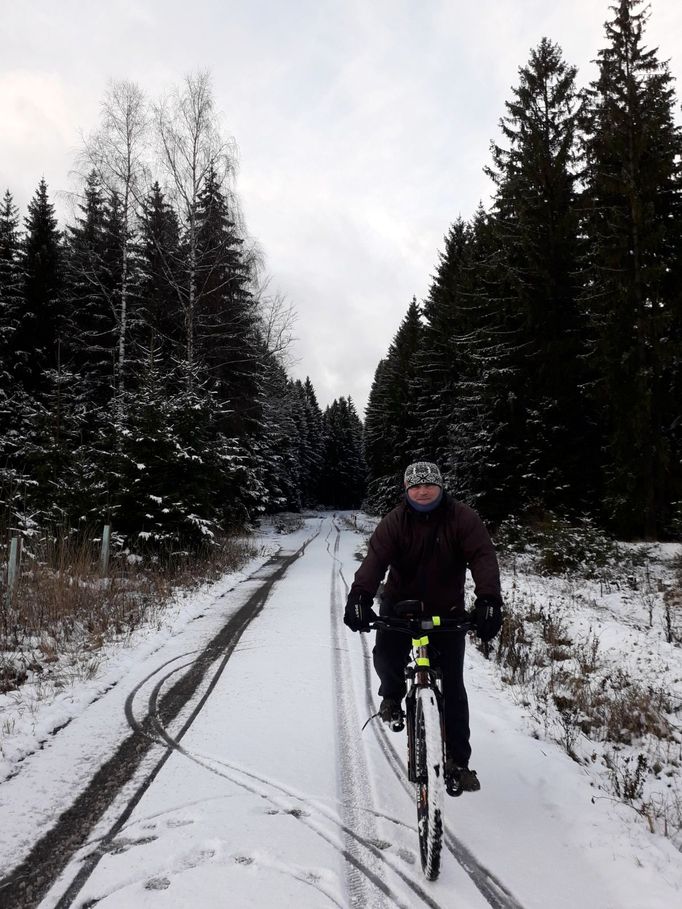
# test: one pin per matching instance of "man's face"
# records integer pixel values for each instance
(424, 494)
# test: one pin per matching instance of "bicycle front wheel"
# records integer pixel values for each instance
(428, 747)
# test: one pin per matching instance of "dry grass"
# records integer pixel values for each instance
(672, 600)
(62, 603)
(592, 708)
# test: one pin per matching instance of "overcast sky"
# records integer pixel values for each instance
(362, 126)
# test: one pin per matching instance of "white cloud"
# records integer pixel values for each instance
(363, 128)
(40, 115)
(33, 108)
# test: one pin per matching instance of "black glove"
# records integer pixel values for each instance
(359, 612)
(487, 616)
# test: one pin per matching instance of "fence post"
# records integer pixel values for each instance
(104, 555)
(12, 567)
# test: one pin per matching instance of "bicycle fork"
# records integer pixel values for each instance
(420, 675)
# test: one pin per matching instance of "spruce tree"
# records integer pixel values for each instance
(314, 445)
(443, 356)
(344, 472)
(536, 376)
(633, 223)
(307, 433)
(377, 443)
(11, 295)
(462, 354)
(392, 422)
(11, 286)
(280, 443)
(160, 323)
(40, 325)
(226, 329)
(35, 446)
(91, 301)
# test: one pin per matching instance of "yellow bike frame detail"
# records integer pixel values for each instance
(420, 645)
(421, 658)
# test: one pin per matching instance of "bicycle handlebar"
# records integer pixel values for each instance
(420, 624)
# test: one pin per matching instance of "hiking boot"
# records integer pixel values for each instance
(460, 779)
(391, 713)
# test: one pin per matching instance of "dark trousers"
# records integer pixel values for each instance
(446, 649)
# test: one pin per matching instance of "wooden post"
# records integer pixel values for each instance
(12, 567)
(104, 556)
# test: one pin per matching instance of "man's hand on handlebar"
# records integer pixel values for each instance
(487, 616)
(359, 613)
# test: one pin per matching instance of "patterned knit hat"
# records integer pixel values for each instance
(423, 473)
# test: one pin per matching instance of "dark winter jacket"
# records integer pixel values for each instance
(428, 555)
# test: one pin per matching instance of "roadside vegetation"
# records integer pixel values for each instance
(63, 608)
(591, 647)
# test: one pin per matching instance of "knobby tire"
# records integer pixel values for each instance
(430, 787)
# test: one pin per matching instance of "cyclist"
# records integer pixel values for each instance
(428, 542)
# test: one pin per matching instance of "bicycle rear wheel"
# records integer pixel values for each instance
(428, 748)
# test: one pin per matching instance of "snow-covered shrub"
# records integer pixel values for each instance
(560, 651)
(559, 546)
(672, 615)
(287, 522)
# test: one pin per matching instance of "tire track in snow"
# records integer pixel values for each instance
(353, 775)
(255, 784)
(369, 874)
(164, 736)
(26, 885)
(490, 887)
(153, 728)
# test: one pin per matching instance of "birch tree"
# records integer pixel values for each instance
(191, 150)
(117, 153)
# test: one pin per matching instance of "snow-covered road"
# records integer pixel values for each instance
(264, 792)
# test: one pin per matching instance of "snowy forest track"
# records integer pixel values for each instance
(495, 893)
(28, 882)
(262, 786)
(353, 776)
(353, 846)
(493, 890)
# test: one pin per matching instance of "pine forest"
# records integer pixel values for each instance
(143, 363)
(543, 371)
(143, 379)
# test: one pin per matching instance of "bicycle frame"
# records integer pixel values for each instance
(425, 726)
(419, 672)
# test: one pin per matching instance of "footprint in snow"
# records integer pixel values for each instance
(407, 856)
(196, 858)
(123, 845)
(157, 883)
(380, 844)
(178, 822)
(297, 812)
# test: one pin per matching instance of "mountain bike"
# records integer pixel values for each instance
(424, 720)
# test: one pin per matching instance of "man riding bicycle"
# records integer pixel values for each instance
(428, 542)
